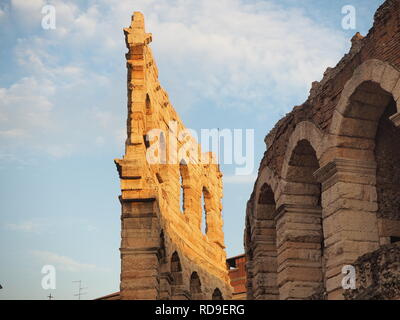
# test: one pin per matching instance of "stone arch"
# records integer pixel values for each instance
(269, 176)
(259, 232)
(263, 244)
(164, 275)
(354, 181)
(195, 287)
(177, 287)
(148, 105)
(365, 129)
(374, 85)
(304, 131)
(300, 240)
(360, 102)
(217, 295)
(176, 268)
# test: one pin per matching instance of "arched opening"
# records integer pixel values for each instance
(148, 104)
(177, 288)
(176, 269)
(183, 177)
(181, 195)
(387, 156)
(264, 251)
(364, 185)
(369, 137)
(300, 239)
(163, 269)
(205, 205)
(195, 287)
(162, 249)
(217, 295)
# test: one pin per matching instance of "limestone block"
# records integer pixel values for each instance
(389, 78)
(297, 290)
(396, 92)
(351, 221)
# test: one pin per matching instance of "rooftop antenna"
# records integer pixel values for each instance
(80, 288)
(50, 296)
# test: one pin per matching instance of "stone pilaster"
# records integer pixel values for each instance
(349, 202)
(299, 236)
(265, 260)
(139, 250)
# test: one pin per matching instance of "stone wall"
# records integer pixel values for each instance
(164, 253)
(327, 190)
(377, 275)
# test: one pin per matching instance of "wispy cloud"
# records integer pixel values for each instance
(252, 53)
(25, 226)
(253, 57)
(239, 179)
(62, 262)
(92, 228)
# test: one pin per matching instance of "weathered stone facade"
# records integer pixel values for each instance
(378, 275)
(328, 187)
(164, 253)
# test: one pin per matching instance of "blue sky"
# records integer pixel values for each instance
(227, 64)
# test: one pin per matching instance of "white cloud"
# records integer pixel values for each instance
(62, 262)
(25, 226)
(59, 151)
(237, 54)
(26, 104)
(28, 13)
(25, 112)
(245, 56)
(239, 179)
(92, 228)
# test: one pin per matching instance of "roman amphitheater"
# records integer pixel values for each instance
(327, 195)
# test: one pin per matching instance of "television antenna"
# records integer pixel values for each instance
(80, 288)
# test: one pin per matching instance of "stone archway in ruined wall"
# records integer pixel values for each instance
(328, 203)
(260, 239)
(354, 169)
(164, 254)
(299, 216)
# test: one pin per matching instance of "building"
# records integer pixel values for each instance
(327, 197)
(237, 274)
